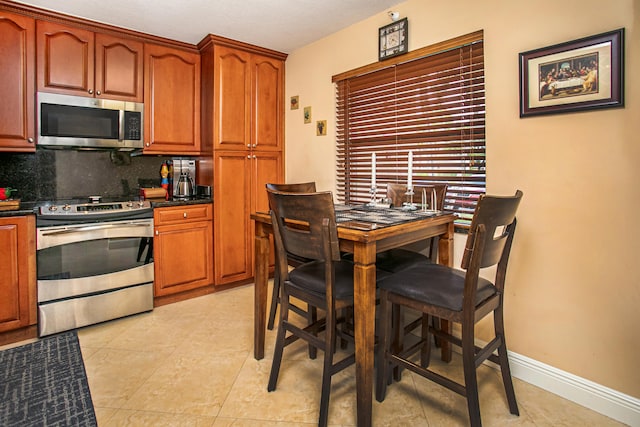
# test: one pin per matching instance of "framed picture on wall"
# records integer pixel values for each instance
(321, 128)
(583, 74)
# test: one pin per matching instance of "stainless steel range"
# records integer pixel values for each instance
(95, 262)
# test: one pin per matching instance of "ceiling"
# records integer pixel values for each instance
(282, 25)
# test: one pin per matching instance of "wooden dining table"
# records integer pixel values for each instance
(364, 232)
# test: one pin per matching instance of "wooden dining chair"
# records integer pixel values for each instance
(304, 225)
(460, 296)
(399, 259)
(292, 260)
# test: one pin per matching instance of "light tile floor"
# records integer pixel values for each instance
(191, 364)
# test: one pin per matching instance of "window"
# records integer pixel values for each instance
(431, 102)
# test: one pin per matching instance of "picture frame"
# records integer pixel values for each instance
(579, 75)
(321, 128)
(295, 102)
(393, 39)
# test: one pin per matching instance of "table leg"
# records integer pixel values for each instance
(261, 287)
(364, 277)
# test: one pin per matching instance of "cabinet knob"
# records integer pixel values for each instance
(254, 145)
(255, 157)
(147, 144)
(248, 145)
(184, 214)
(91, 91)
(30, 140)
(248, 156)
(98, 92)
(157, 233)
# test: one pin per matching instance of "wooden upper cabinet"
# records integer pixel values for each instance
(172, 101)
(74, 61)
(17, 47)
(65, 59)
(268, 104)
(248, 100)
(232, 99)
(119, 68)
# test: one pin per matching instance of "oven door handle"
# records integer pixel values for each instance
(92, 228)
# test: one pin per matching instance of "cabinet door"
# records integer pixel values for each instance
(172, 101)
(17, 44)
(233, 239)
(268, 103)
(119, 64)
(183, 256)
(266, 167)
(232, 100)
(17, 273)
(65, 59)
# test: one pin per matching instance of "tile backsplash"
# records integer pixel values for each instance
(68, 174)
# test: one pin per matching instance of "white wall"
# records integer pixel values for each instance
(573, 294)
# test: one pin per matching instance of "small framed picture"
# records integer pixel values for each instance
(321, 128)
(393, 39)
(307, 114)
(295, 102)
(578, 75)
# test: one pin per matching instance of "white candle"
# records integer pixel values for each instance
(373, 170)
(410, 172)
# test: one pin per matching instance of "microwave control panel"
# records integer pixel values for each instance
(132, 125)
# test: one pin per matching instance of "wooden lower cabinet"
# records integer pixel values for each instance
(17, 278)
(182, 249)
(239, 181)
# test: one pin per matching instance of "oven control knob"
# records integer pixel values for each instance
(141, 204)
(129, 204)
(66, 208)
(53, 208)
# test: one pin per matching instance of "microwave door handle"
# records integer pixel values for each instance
(121, 125)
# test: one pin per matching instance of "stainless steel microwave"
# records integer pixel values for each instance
(66, 121)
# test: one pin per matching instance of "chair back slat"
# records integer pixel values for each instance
(396, 192)
(300, 221)
(298, 187)
(497, 214)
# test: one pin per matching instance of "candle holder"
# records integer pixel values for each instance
(372, 192)
(409, 205)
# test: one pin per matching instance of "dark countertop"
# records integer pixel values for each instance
(25, 208)
(29, 208)
(179, 202)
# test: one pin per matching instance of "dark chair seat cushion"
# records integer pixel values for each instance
(310, 276)
(435, 284)
(395, 260)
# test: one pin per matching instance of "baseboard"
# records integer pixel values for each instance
(609, 402)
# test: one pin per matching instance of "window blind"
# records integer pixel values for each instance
(433, 106)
